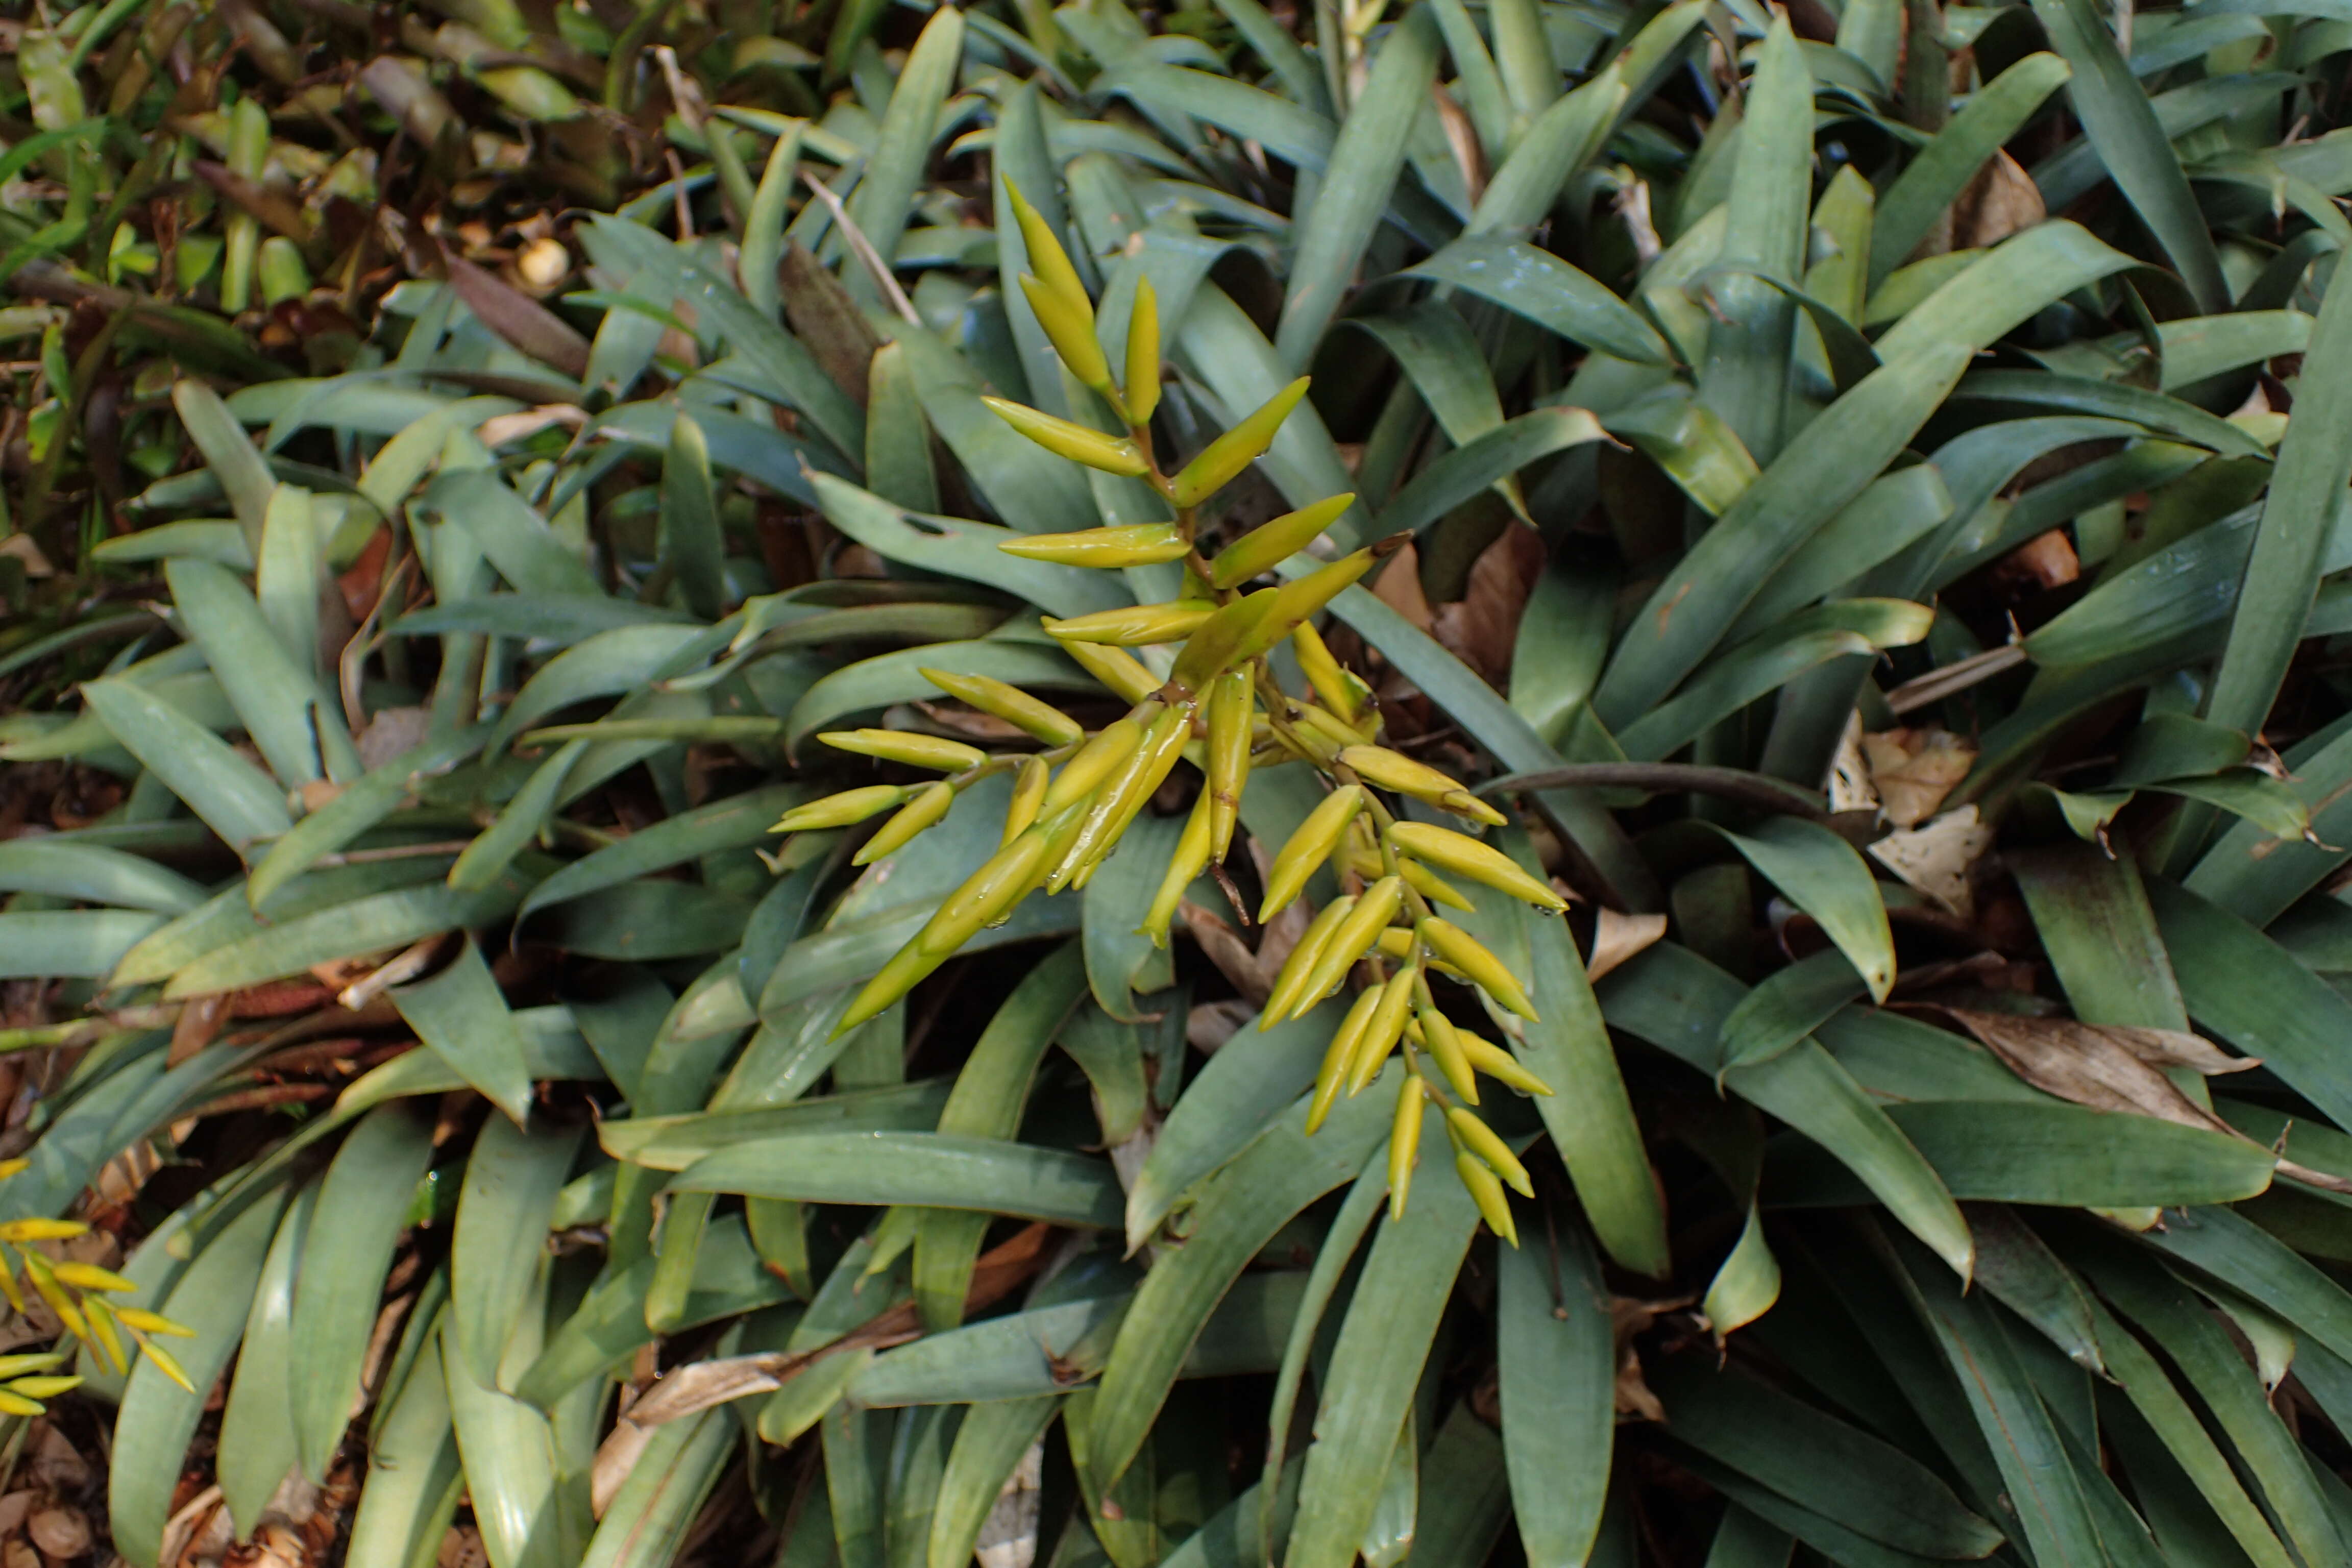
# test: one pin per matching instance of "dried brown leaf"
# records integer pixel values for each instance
(1935, 857)
(1619, 937)
(1913, 769)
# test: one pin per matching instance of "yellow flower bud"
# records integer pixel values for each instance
(905, 971)
(1397, 941)
(931, 803)
(847, 810)
(1290, 983)
(1480, 1140)
(1481, 967)
(1236, 449)
(1468, 857)
(1111, 454)
(1136, 544)
(167, 1365)
(1437, 1032)
(1404, 1143)
(20, 1230)
(905, 746)
(1028, 795)
(1269, 544)
(1192, 855)
(985, 895)
(18, 1404)
(147, 1322)
(1308, 847)
(1143, 353)
(1343, 735)
(44, 1281)
(1139, 775)
(1323, 672)
(1308, 596)
(1381, 1035)
(1499, 1063)
(1355, 936)
(1339, 1055)
(91, 1277)
(1047, 259)
(1215, 646)
(1394, 770)
(1095, 762)
(1123, 673)
(16, 1166)
(1016, 707)
(1487, 1194)
(102, 1330)
(1134, 625)
(1071, 331)
(1233, 710)
(1430, 885)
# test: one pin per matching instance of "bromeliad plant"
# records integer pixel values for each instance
(1222, 705)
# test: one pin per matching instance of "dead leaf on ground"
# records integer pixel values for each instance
(1008, 1536)
(1482, 628)
(2045, 561)
(1850, 788)
(1398, 588)
(1999, 201)
(1619, 937)
(1935, 858)
(1913, 769)
(2112, 1069)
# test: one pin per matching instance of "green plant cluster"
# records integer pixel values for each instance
(1824, 943)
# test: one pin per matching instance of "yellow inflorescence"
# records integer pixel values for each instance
(1222, 707)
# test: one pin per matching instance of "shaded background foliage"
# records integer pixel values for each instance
(458, 457)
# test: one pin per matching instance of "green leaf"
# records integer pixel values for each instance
(257, 1437)
(228, 452)
(1678, 1001)
(988, 1446)
(508, 1450)
(45, 944)
(462, 1016)
(664, 270)
(504, 526)
(692, 546)
(93, 874)
(1787, 1006)
(413, 1481)
(2298, 516)
(1376, 1364)
(2251, 874)
(883, 198)
(2045, 1502)
(1235, 1214)
(1545, 290)
(936, 1170)
(235, 799)
(1356, 186)
(2252, 992)
(1827, 878)
(1934, 179)
(370, 923)
(512, 1180)
(647, 1523)
(1557, 1352)
(1234, 1099)
(1745, 376)
(732, 823)
(158, 1417)
(960, 548)
(2056, 1153)
(284, 709)
(362, 1207)
(1491, 459)
(1817, 1461)
(1834, 457)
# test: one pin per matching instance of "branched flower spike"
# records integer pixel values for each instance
(1222, 709)
(74, 1294)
